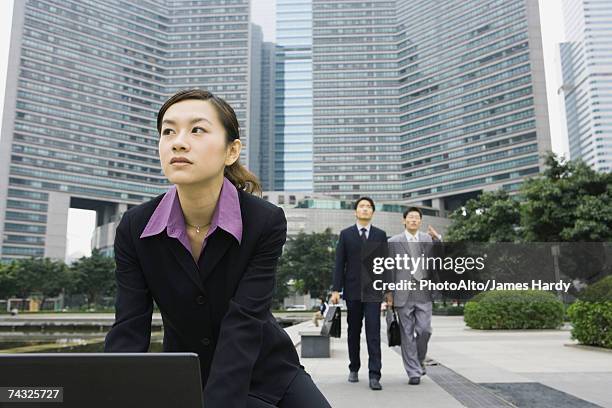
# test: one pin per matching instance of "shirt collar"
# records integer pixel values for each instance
(169, 216)
(367, 227)
(411, 237)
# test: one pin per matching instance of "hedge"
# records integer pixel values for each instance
(439, 310)
(514, 309)
(600, 291)
(591, 314)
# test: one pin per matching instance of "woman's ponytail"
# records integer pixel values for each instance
(243, 179)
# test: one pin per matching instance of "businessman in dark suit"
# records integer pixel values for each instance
(356, 244)
(206, 253)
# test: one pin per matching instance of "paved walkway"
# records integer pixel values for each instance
(524, 368)
(548, 357)
(535, 368)
(331, 374)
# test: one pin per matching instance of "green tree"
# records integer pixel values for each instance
(8, 283)
(308, 259)
(94, 276)
(571, 202)
(492, 217)
(39, 276)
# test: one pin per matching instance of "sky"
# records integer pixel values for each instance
(81, 223)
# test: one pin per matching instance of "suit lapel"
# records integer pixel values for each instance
(216, 246)
(367, 246)
(356, 233)
(219, 243)
(185, 260)
(404, 242)
(423, 242)
(370, 234)
(370, 237)
(415, 245)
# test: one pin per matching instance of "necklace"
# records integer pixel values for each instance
(197, 227)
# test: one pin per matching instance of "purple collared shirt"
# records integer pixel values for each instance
(169, 216)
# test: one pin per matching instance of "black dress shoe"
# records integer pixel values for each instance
(353, 376)
(414, 381)
(375, 384)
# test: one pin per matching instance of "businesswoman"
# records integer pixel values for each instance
(206, 253)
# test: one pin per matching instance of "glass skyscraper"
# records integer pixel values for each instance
(586, 61)
(427, 102)
(266, 142)
(85, 80)
(293, 102)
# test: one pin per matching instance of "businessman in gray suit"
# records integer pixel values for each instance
(413, 307)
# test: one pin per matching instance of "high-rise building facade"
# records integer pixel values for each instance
(293, 102)
(356, 112)
(428, 103)
(267, 129)
(251, 155)
(85, 80)
(586, 63)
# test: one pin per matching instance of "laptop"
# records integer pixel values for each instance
(92, 380)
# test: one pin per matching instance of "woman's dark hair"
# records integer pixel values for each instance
(411, 209)
(236, 173)
(368, 199)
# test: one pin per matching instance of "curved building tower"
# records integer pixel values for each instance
(85, 80)
(427, 102)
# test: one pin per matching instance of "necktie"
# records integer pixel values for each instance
(414, 253)
(363, 236)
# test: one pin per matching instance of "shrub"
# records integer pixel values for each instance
(450, 310)
(591, 314)
(514, 309)
(599, 291)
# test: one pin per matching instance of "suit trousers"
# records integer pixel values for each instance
(302, 393)
(415, 327)
(356, 312)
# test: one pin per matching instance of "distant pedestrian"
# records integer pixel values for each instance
(347, 278)
(414, 307)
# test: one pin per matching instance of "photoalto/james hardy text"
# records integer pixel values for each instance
(491, 284)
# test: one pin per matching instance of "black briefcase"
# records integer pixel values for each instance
(394, 336)
(331, 325)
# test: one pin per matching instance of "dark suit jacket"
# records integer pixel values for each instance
(350, 259)
(220, 311)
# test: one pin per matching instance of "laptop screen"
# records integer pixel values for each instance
(110, 380)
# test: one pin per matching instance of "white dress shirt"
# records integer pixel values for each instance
(410, 237)
(367, 227)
